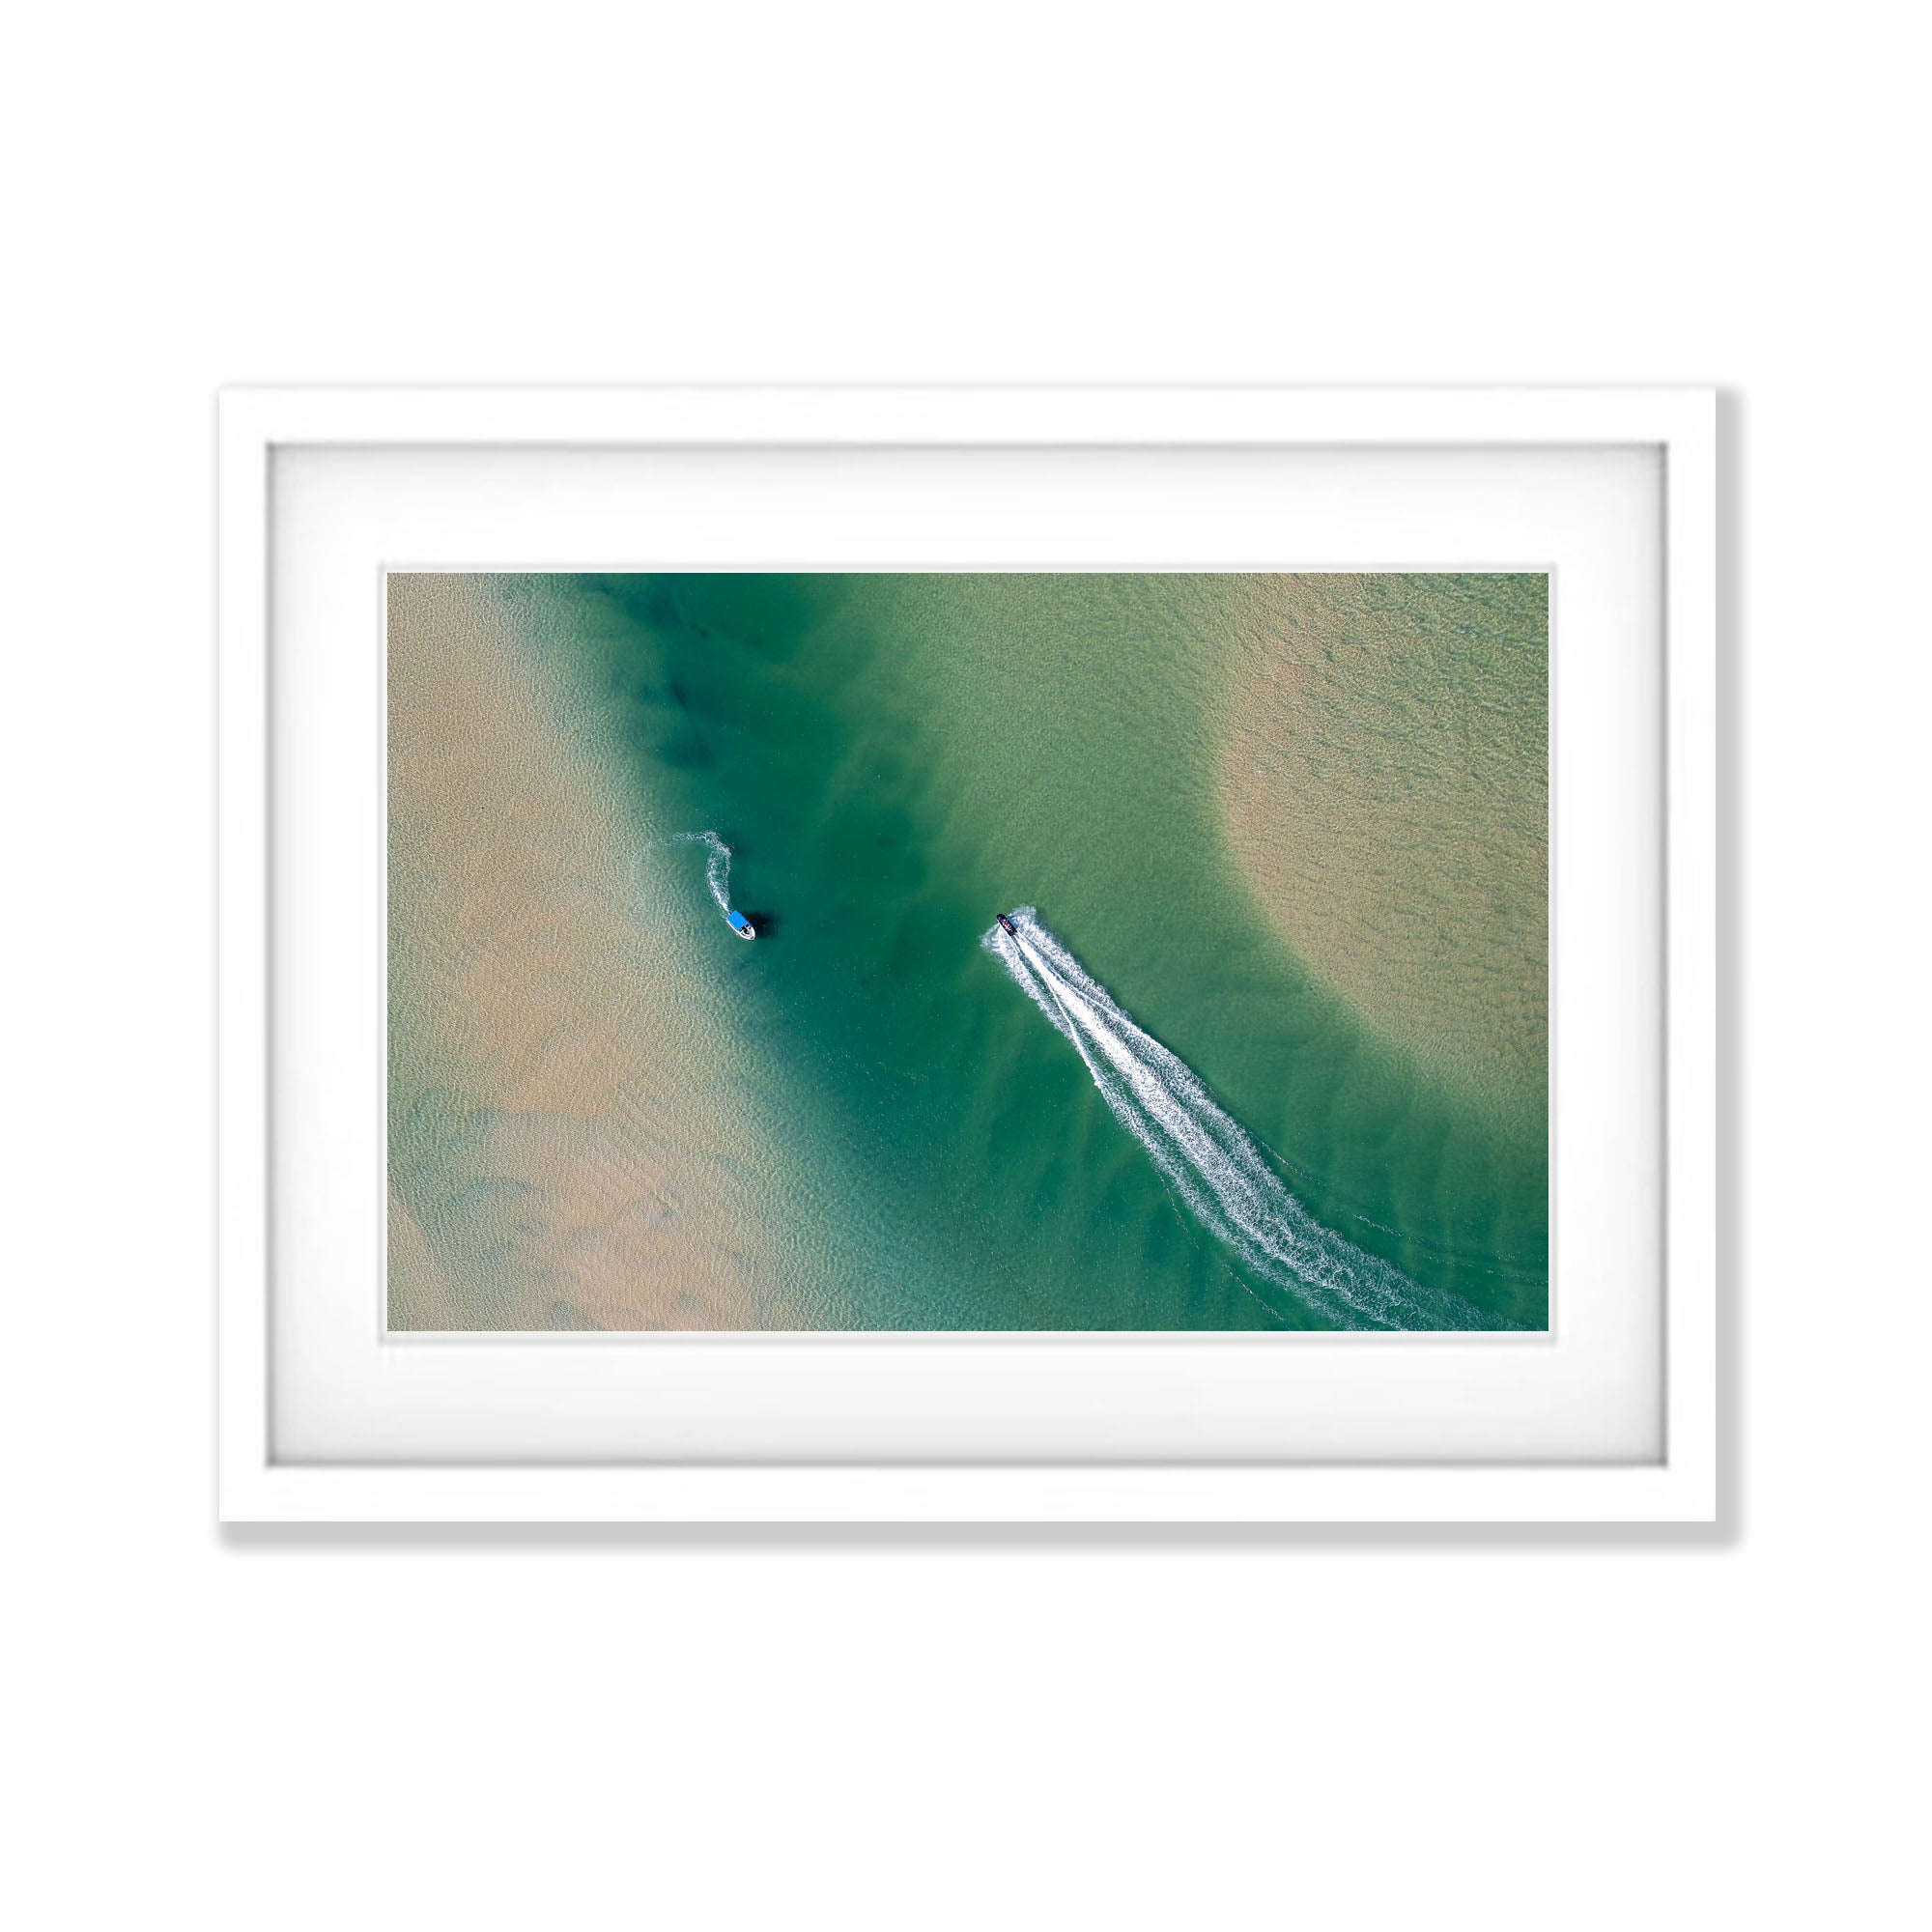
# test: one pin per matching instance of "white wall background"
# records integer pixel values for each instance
(468, 1730)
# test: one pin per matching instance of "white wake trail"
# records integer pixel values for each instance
(1207, 1159)
(717, 867)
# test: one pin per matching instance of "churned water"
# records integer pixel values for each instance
(1216, 1170)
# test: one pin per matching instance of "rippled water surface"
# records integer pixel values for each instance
(1177, 1101)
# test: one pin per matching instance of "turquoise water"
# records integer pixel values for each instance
(890, 760)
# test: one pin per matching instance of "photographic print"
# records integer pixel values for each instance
(934, 952)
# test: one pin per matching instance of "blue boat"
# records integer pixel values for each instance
(741, 925)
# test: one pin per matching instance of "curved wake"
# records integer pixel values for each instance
(717, 867)
(1208, 1159)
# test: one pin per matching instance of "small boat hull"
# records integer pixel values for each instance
(742, 926)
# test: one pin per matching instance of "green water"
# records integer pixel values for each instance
(891, 760)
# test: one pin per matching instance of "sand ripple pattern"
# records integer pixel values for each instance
(1207, 1159)
(1384, 788)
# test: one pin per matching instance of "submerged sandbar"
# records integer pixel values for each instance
(564, 1151)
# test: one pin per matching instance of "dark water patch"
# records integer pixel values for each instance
(685, 751)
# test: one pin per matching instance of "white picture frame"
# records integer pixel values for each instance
(1679, 1484)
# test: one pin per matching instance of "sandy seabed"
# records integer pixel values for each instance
(563, 1149)
(1385, 787)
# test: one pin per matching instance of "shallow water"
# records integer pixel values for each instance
(890, 760)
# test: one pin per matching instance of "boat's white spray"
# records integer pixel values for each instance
(1207, 1159)
(717, 867)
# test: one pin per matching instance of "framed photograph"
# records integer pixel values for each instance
(968, 955)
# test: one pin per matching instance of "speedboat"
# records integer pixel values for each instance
(1012, 931)
(741, 925)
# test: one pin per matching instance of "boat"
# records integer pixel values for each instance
(1012, 931)
(740, 924)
